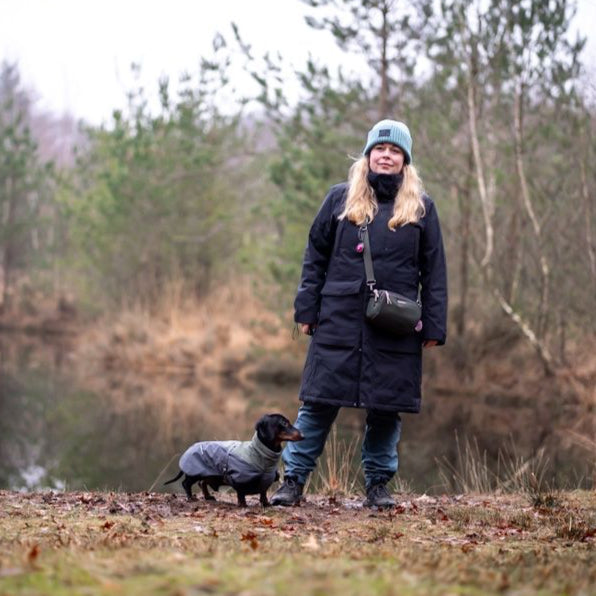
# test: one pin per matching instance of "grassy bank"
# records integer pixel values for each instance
(114, 543)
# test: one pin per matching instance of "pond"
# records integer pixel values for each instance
(70, 430)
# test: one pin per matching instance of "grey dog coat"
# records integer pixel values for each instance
(238, 462)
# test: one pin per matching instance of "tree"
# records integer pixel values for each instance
(157, 197)
(384, 33)
(25, 183)
(316, 147)
(510, 59)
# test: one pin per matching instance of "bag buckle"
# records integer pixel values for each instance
(363, 228)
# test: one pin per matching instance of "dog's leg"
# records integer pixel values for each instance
(241, 499)
(263, 499)
(187, 486)
(208, 496)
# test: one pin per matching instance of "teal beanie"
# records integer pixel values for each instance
(390, 131)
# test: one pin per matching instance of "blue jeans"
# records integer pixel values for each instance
(379, 448)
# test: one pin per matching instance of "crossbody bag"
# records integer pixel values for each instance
(388, 310)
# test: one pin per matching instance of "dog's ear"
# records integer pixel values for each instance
(260, 422)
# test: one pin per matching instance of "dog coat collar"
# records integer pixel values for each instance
(255, 453)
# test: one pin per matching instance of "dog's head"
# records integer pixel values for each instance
(273, 429)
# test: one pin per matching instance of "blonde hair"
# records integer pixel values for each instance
(361, 202)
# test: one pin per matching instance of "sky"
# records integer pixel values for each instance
(76, 54)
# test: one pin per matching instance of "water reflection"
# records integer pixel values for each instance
(70, 430)
(115, 433)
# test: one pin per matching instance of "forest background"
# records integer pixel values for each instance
(163, 248)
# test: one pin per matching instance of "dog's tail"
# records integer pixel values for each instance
(180, 474)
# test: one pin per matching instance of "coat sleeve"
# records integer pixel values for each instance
(316, 259)
(433, 278)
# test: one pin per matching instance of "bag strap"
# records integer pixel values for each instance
(368, 264)
(371, 282)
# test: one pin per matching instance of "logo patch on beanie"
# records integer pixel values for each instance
(385, 132)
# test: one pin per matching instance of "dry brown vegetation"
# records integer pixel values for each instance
(230, 333)
(216, 358)
(113, 543)
(203, 370)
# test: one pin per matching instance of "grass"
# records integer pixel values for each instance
(148, 543)
(336, 475)
(471, 473)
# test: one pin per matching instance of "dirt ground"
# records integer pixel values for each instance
(154, 543)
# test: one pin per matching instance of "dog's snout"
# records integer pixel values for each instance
(296, 434)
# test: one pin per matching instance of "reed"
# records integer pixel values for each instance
(514, 473)
(339, 471)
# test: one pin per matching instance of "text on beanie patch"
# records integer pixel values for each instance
(386, 132)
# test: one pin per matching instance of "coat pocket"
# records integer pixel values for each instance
(341, 314)
(341, 287)
(380, 340)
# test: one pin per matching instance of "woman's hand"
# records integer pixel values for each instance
(306, 328)
(430, 343)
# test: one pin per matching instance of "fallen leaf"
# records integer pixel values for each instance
(267, 521)
(251, 538)
(248, 536)
(33, 554)
(312, 543)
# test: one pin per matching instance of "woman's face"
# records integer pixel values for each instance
(386, 158)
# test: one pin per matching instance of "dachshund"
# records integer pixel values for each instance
(249, 467)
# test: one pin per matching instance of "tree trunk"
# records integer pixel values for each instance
(587, 204)
(485, 200)
(465, 200)
(384, 92)
(529, 208)
(538, 344)
(516, 251)
(9, 219)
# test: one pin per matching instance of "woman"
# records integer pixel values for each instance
(349, 362)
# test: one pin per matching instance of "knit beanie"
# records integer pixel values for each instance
(390, 131)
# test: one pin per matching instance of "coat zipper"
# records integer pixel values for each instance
(357, 404)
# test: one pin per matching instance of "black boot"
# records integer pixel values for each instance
(378, 496)
(289, 493)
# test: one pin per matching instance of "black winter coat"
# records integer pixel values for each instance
(349, 362)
